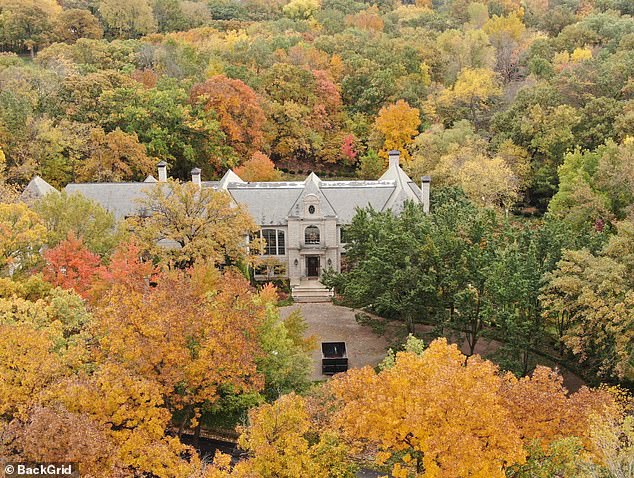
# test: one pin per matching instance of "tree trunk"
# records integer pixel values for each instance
(197, 435)
(181, 427)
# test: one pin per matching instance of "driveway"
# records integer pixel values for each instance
(329, 322)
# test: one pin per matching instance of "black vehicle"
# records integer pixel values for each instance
(334, 358)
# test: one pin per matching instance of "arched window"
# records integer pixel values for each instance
(311, 235)
(275, 243)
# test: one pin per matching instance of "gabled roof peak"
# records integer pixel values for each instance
(36, 189)
(229, 177)
(312, 178)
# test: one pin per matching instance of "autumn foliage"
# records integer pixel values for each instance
(258, 168)
(438, 415)
(71, 265)
(397, 124)
(237, 108)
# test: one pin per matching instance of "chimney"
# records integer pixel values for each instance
(424, 187)
(162, 171)
(196, 176)
(395, 157)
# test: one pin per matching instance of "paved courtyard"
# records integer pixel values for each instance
(329, 322)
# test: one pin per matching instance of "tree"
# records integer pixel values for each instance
(238, 110)
(515, 282)
(70, 265)
(28, 366)
(8, 192)
(459, 50)
(127, 19)
(543, 410)
(166, 122)
(396, 281)
(206, 224)
(285, 363)
(74, 23)
(371, 165)
(258, 168)
(116, 156)
(430, 414)
(63, 214)
(471, 95)
(54, 435)
(170, 334)
(595, 297)
(301, 9)
(26, 25)
(129, 410)
(613, 443)
(397, 124)
(279, 444)
(21, 236)
(488, 181)
(169, 15)
(506, 34)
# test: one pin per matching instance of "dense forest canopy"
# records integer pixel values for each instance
(112, 348)
(487, 95)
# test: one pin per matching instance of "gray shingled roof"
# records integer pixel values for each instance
(345, 199)
(36, 189)
(267, 205)
(122, 199)
(271, 203)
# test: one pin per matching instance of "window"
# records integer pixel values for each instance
(311, 209)
(275, 242)
(344, 235)
(311, 235)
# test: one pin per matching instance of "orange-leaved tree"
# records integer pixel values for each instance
(238, 111)
(192, 334)
(258, 168)
(542, 408)
(70, 265)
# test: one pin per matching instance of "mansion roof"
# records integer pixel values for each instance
(270, 203)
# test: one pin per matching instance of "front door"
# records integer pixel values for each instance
(312, 266)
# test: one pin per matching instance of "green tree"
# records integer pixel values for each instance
(595, 296)
(65, 213)
(74, 23)
(393, 269)
(127, 19)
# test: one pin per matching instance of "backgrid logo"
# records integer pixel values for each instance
(48, 470)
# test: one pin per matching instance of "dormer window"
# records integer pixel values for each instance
(311, 235)
(311, 209)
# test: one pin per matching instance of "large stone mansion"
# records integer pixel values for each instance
(301, 221)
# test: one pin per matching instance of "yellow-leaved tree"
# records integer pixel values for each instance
(430, 415)
(21, 236)
(203, 224)
(280, 442)
(396, 126)
(470, 96)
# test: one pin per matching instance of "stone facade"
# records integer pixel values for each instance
(301, 220)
